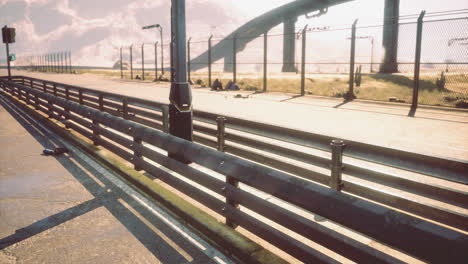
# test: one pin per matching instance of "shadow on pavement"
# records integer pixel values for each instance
(165, 244)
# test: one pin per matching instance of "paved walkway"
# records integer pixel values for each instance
(431, 132)
(69, 209)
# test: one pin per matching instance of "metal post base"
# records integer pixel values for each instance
(180, 125)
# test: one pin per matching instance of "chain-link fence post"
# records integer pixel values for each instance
(131, 62)
(70, 61)
(303, 58)
(417, 64)
(350, 94)
(155, 61)
(143, 61)
(121, 64)
(62, 63)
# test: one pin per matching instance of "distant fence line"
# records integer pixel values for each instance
(59, 62)
(328, 62)
(325, 56)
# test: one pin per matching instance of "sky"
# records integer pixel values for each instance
(94, 29)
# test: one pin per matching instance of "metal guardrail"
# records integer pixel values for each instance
(91, 113)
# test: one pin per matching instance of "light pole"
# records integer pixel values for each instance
(162, 42)
(180, 97)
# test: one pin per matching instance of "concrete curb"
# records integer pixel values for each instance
(224, 238)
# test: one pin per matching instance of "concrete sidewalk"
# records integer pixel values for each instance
(69, 209)
(432, 131)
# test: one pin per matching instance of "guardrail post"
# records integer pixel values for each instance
(350, 94)
(36, 103)
(125, 108)
(136, 154)
(44, 87)
(67, 112)
(143, 61)
(265, 61)
(337, 146)
(96, 135)
(131, 62)
(55, 89)
(417, 65)
(121, 64)
(221, 121)
(165, 121)
(234, 59)
(209, 61)
(80, 96)
(101, 102)
(303, 59)
(49, 109)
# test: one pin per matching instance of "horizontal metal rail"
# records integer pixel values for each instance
(144, 113)
(399, 230)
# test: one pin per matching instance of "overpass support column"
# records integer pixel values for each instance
(289, 45)
(390, 36)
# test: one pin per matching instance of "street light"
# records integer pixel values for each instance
(162, 42)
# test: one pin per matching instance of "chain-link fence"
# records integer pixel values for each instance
(315, 61)
(57, 62)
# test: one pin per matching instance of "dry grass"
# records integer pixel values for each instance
(380, 87)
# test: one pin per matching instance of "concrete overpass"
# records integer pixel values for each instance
(286, 14)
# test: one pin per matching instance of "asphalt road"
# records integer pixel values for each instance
(69, 209)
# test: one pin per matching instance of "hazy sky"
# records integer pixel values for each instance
(92, 28)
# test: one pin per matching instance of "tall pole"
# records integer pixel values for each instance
(131, 62)
(121, 63)
(155, 61)
(188, 59)
(162, 50)
(143, 61)
(8, 59)
(265, 60)
(372, 55)
(417, 64)
(70, 62)
(303, 59)
(350, 95)
(180, 108)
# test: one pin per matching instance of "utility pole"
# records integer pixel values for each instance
(180, 108)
